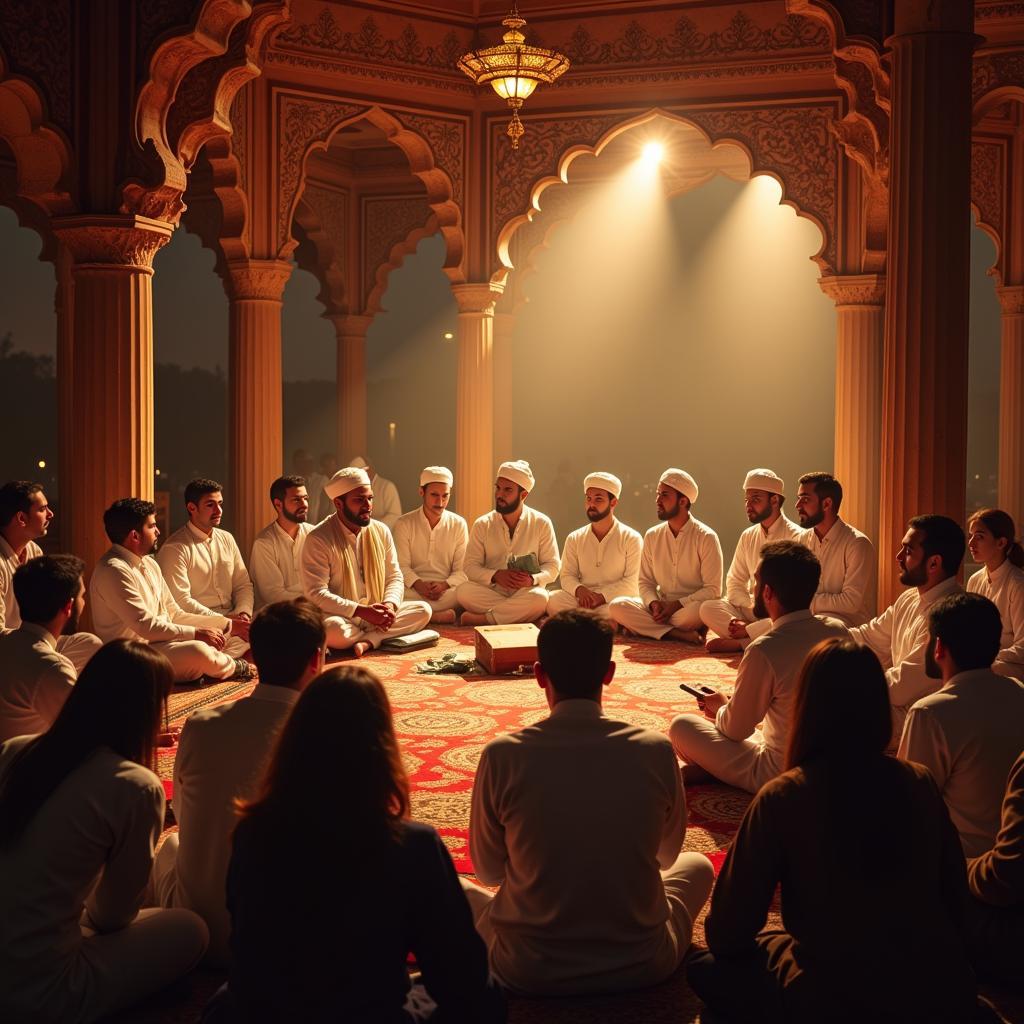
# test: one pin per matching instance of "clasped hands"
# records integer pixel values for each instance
(512, 579)
(381, 614)
(431, 589)
(662, 611)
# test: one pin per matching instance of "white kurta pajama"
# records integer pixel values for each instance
(78, 648)
(130, 598)
(685, 567)
(323, 580)
(1005, 589)
(433, 554)
(489, 549)
(207, 576)
(609, 566)
(387, 506)
(740, 584)
(275, 564)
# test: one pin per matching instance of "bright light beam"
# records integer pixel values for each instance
(652, 154)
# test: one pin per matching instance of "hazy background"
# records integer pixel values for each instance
(690, 333)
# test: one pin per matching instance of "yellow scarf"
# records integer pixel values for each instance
(373, 563)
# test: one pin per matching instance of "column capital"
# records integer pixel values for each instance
(257, 279)
(477, 298)
(116, 240)
(1011, 299)
(350, 326)
(854, 289)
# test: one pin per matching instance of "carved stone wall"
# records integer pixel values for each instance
(988, 186)
(387, 221)
(37, 43)
(447, 140)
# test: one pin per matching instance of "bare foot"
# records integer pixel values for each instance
(693, 773)
(474, 619)
(443, 618)
(722, 645)
(687, 636)
(361, 648)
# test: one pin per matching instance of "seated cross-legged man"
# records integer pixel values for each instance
(600, 561)
(203, 566)
(25, 517)
(130, 599)
(221, 757)
(680, 568)
(431, 545)
(498, 591)
(350, 571)
(969, 733)
(764, 494)
(724, 743)
(276, 559)
(580, 820)
(35, 679)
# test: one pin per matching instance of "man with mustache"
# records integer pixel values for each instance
(277, 550)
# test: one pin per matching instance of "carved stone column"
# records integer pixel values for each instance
(504, 410)
(351, 375)
(1011, 403)
(474, 399)
(860, 331)
(256, 436)
(924, 406)
(111, 359)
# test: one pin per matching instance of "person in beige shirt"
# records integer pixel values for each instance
(203, 566)
(275, 563)
(970, 732)
(580, 819)
(221, 756)
(35, 680)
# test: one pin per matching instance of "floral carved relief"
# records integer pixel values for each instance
(987, 184)
(37, 41)
(387, 221)
(240, 135)
(996, 70)
(331, 208)
(119, 242)
(447, 140)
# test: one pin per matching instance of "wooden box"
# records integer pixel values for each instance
(502, 649)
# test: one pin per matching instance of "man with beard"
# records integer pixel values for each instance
(131, 599)
(204, 568)
(387, 505)
(277, 550)
(765, 493)
(35, 679)
(680, 567)
(511, 557)
(929, 559)
(725, 744)
(431, 544)
(350, 571)
(601, 561)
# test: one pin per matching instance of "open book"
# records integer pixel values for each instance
(423, 638)
(525, 563)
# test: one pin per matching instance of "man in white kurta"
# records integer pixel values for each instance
(680, 568)
(350, 571)
(130, 599)
(431, 544)
(929, 559)
(1004, 587)
(969, 733)
(725, 742)
(764, 493)
(36, 680)
(275, 562)
(203, 567)
(511, 557)
(387, 506)
(600, 561)
(580, 820)
(25, 517)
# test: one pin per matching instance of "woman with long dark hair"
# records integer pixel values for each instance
(992, 540)
(80, 815)
(872, 874)
(331, 887)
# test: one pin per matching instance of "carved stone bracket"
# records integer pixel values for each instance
(113, 241)
(257, 279)
(1011, 299)
(854, 289)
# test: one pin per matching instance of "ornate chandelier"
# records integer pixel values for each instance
(513, 69)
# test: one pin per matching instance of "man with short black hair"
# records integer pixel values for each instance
(203, 567)
(929, 559)
(130, 599)
(276, 559)
(25, 517)
(573, 817)
(35, 678)
(723, 743)
(970, 732)
(221, 757)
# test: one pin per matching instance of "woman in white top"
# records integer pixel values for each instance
(79, 821)
(992, 540)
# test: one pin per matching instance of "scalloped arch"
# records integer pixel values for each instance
(396, 258)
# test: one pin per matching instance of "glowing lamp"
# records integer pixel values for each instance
(513, 69)
(653, 153)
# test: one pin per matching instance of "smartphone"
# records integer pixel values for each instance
(700, 692)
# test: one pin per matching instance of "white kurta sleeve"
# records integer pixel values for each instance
(242, 596)
(755, 679)
(267, 573)
(120, 591)
(628, 585)
(648, 578)
(570, 565)
(737, 591)
(1010, 660)
(908, 681)
(476, 554)
(394, 584)
(486, 833)
(458, 564)
(210, 620)
(877, 634)
(387, 505)
(924, 741)
(857, 577)
(173, 562)
(403, 532)
(53, 686)
(710, 554)
(547, 555)
(316, 578)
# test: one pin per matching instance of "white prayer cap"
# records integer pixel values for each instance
(358, 462)
(518, 472)
(606, 481)
(345, 480)
(681, 481)
(764, 480)
(436, 475)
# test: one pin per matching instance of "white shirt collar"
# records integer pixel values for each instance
(39, 631)
(199, 535)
